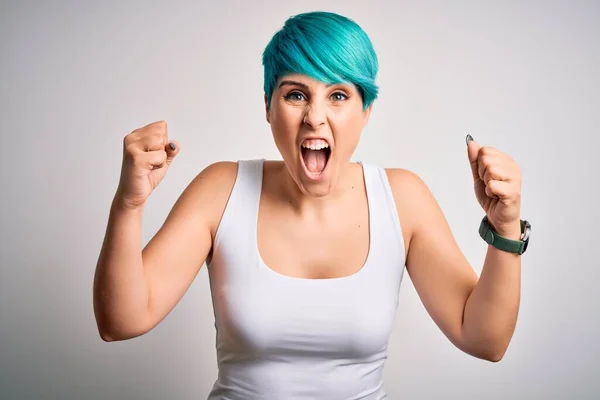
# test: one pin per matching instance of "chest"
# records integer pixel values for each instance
(315, 318)
(332, 244)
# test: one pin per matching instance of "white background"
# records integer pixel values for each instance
(76, 77)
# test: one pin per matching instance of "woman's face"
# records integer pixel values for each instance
(316, 128)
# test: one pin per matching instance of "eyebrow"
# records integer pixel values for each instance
(295, 83)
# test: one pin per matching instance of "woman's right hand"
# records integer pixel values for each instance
(147, 154)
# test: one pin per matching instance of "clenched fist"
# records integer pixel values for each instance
(497, 180)
(147, 154)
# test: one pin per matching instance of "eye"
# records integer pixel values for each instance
(339, 96)
(294, 96)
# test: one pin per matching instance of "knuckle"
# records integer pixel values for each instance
(150, 143)
(130, 146)
(128, 139)
(486, 150)
(158, 142)
(158, 159)
(161, 126)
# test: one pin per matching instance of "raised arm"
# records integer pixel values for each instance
(478, 315)
(134, 288)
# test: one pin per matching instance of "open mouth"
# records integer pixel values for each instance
(315, 155)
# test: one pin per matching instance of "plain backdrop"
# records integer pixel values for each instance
(77, 76)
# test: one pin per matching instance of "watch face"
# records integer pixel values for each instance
(526, 243)
(526, 231)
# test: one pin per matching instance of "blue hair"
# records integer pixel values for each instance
(325, 46)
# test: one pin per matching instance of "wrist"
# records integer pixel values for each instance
(121, 204)
(508, 237)
(510, 231)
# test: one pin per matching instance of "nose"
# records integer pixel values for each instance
(315, 116)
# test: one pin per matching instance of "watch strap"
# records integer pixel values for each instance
(493, 238)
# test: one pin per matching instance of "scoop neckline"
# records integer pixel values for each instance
(263, 265)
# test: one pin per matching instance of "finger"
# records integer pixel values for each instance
(472, 153)
(494, 171)
(156, 126)
(151, 142)
(160, 127)
(154, 159)
(504, 168)
(495, 162)
(172, 149)
(500, 189)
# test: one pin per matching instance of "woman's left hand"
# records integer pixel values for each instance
(497, 183)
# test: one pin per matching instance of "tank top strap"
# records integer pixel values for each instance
(386, 229)
(240, 215)
(249, 181)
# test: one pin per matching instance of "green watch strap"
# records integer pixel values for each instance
(512, 246)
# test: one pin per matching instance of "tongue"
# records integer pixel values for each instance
(315, 160)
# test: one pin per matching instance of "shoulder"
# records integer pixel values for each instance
(218, 174)
(214, 180)
(209, 191)
(401, 177)
(414, 200)
(407, 185)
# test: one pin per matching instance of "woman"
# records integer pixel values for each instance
(306, 255)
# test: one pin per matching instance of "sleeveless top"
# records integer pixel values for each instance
(286, 338)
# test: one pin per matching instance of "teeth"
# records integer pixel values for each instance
(315, 144)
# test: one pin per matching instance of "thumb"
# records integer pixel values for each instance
(472, 151)
(172, 149)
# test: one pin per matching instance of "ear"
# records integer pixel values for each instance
(267, 111)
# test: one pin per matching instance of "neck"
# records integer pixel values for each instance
(303, 201)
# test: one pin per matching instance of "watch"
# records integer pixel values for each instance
(512, 246)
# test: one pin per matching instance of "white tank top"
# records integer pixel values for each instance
(287, 338)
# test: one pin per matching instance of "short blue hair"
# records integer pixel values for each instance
(325, 46)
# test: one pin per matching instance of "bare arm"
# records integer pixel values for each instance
(477, 315)
(492, 308)
(135, 289)
(120, 288)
